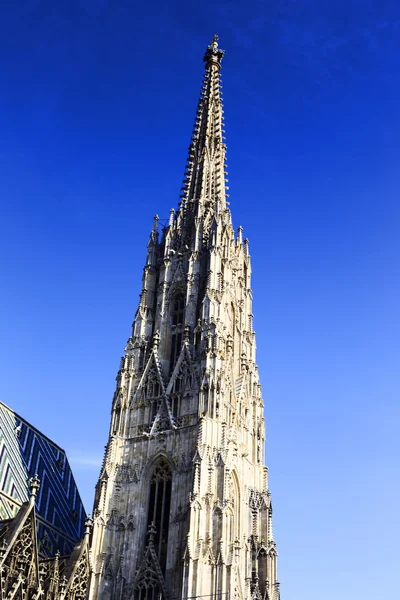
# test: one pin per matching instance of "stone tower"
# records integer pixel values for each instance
(182, 507)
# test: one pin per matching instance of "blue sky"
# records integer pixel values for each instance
(97, 101)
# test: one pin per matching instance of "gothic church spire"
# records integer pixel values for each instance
(204, 184)
(185, 457)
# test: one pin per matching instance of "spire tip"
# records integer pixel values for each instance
(213, 53)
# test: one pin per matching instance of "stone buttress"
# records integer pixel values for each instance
(182, 505)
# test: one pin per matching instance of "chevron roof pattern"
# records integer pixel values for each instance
(24, 452)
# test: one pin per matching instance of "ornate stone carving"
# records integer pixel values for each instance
(125, 474)
(196, 402)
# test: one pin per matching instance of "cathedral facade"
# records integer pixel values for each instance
(183, 507)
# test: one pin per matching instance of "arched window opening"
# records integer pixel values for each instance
(178, 317)
(216, 530)
(235, 490)
(153, 410)
(152, 387)
(233, 330)
(117, 418)
(178, 310)
(141, 358)
(262, 568)
(230, 527)
(159, 508)
(197, 342)
(177, 386)
(175, 401)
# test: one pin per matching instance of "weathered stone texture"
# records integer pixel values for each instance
(183, 507)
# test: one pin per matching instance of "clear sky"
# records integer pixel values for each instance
(97, 102)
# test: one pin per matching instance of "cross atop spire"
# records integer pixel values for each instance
(213, 53)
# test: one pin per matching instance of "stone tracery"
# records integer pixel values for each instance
(191, 375)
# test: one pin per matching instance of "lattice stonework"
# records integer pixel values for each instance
(26, 576)
(77, 588)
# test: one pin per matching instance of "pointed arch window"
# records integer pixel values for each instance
(175, 402)
(216, 530)
(233, 324)
(152, 387)
(178, 309)
(177, 317)
(245, 275)
(141, 358)
(230, 526)
(117, 418)
(235, 490)
(159, 508)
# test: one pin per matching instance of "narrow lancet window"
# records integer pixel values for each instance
(159, 508)
(117, 418)
(178, 316)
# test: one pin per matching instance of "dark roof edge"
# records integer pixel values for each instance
(35, 429)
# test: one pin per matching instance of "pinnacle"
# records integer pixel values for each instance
(34, 485)
(213, 53)
(205, 173)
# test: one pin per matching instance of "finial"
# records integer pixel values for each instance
(88, 525)
(34, 485)
(153, 239)
(213, 55)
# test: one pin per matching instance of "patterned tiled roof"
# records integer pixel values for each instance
(24, 452)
